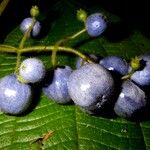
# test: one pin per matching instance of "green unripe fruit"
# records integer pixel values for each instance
(34, 12)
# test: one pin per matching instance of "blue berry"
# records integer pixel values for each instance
(116, 64)
(130, 101)
(26, 23)
(15, 97)
(142, 76)
(91, 85)
(32, 70)
(57, 89)
(95, 24)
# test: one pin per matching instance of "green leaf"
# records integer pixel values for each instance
(72, 129)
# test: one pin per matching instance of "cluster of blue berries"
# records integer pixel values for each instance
(91, 86)
(96, 86)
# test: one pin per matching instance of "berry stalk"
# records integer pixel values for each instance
(59, 48)
(34, 13)
(3, 5)
(21, 45)
(46, 49)
(77, 34)
(63, 41)
(26, 35)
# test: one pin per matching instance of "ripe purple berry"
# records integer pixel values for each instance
(142, 76)
(95, 24)
(131, 100)
(32, 70)
(57, 89)
(26, 23)
(116, 64)
(15, 97)
(90, 85)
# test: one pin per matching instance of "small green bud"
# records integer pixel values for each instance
(81, 15)
(34, 11)
(135, 63)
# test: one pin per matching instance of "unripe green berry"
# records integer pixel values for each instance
(135, 63)
(34, 11)
(81, 15)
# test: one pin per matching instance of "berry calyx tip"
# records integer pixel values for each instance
(135, 63)
(34, 11)
(81, 15)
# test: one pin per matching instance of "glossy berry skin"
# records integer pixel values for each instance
(116, 64)
(26, 23)
(15, 97)
(32, 70)
(57, 89)
(91, 85)
(80, 61)
(95, 24)
(131, 100)
(142, 77)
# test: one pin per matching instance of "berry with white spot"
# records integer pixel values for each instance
(56, 89)
(131, 100)
(91, 86)
(15, 97)
(95, 24)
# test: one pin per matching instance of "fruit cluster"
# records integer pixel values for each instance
(93, 85)
(111, 81)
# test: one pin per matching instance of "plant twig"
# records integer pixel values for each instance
(63, 41)
(59, 48)
(46, 49)
(3, 5)
(7, 48)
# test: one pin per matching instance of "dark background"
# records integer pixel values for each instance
(133, 14)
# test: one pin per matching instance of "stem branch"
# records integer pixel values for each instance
(59, 48)
(63, 41)
(3, 5)
(7, 48)
(46, 49)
